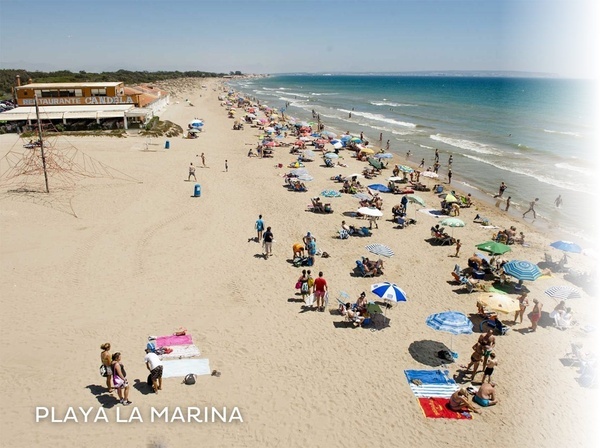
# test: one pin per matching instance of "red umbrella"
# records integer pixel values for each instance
(271, 144)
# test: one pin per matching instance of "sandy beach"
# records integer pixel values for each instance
(143, 257)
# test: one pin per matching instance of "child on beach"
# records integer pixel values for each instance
(192, 172)
(489, 369)
(458, 246)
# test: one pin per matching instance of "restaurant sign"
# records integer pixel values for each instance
(80, 101)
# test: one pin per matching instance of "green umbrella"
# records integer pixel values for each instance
(416, 199)
(452, 222)
(493, 247)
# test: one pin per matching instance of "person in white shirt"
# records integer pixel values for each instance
(155, 366)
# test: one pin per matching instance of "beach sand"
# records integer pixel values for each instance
(144, 258)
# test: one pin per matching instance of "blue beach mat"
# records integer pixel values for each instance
(181, 367)
(435, 383)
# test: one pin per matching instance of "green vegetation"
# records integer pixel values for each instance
(157, 128)
(8, 77)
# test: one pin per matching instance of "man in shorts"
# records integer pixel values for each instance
(155, 366)
(320, 291)
(259, 226)
(486, 395)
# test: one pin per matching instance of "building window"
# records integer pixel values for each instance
(66, 93)
(50, 93)
(78, 92)
(99, 92)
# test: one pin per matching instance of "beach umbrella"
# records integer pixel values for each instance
(385, 155)
(450, 198)
(329, 134)
(367, 151)
(388, 291)
(566, 246)
(380, 249)
(500, 302)
(355, 140)
(522, 270)
(430, 174)
(194, 131)
(331, 155)
(368, 211)
(413, 198)
(196, 123)
(395, 179)
(308, 154)
(350, 176)
(493, 247)
(452, 222)
(563, 292)
(299, 171)
(338, 145)
(405, 169)
(361, 196)
(305, 177)
(453, 322)
(379, 187)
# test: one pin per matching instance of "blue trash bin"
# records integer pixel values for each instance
(167, 144)
(197, 191)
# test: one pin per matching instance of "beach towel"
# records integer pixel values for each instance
(331, 194)
(431, 212)
(181, 351)
(380, 249)
(168, 341)
(438, 408)
(181, 367)
(434, 383)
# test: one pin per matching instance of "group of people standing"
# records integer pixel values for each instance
(265, 236)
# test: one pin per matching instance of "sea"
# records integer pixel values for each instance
(538, 135)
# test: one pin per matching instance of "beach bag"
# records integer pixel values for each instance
(118, 381)
(304, 287)
(298, 285)
(445, 355)
(189, 379)
(103, 371)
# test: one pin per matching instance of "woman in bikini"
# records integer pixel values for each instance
(523, 304)
(106, 360)
(459, 402)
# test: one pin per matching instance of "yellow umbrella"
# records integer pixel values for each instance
(367, 151)
(450, 198)
(500, 302)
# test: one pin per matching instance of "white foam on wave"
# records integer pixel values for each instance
(537, 176)
(385, 103)
(571, 134)
(302, 95)
(480, 148)
(324, 94)
(378, 117)
(577, 169)
(426, 147)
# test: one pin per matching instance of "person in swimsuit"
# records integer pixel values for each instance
(488, 342)
(489, 369)
(459, 402)
(120, 379)
(486, 395)
(535, 315)
(523, 304)
(475, 359)
(304, 289)
(106, 359)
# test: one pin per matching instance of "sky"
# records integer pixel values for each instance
(265, 36)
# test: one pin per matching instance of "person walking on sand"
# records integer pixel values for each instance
(458, 246)
(507, 204)
(320, 291)
(501, 189)
(226, 166)
(192, 172)
(155, 366)
(437, 155)
(422, 164)
(531, 209)
(203, 160)
(450, 160)
(449, 176)
(268, 242)
(106, 359)
(259, 226)
(558, 201)
(387, 145)
(408, 154)
(535, 314)
(523, 304)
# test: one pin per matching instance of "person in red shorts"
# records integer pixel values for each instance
(320, 291)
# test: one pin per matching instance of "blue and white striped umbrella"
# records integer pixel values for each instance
(522, 270)
(388, 291)
(453, 322)
(563, 292)
(380, 249)
(566, 246)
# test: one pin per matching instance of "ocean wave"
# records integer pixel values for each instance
(466, 144)
(425, 146)
(385, 103)
(571, 134)
(577, 169)
(537, 176)
(281, 92)
(378, 117)
(324, 94)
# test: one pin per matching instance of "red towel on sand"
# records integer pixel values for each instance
(438, 408)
